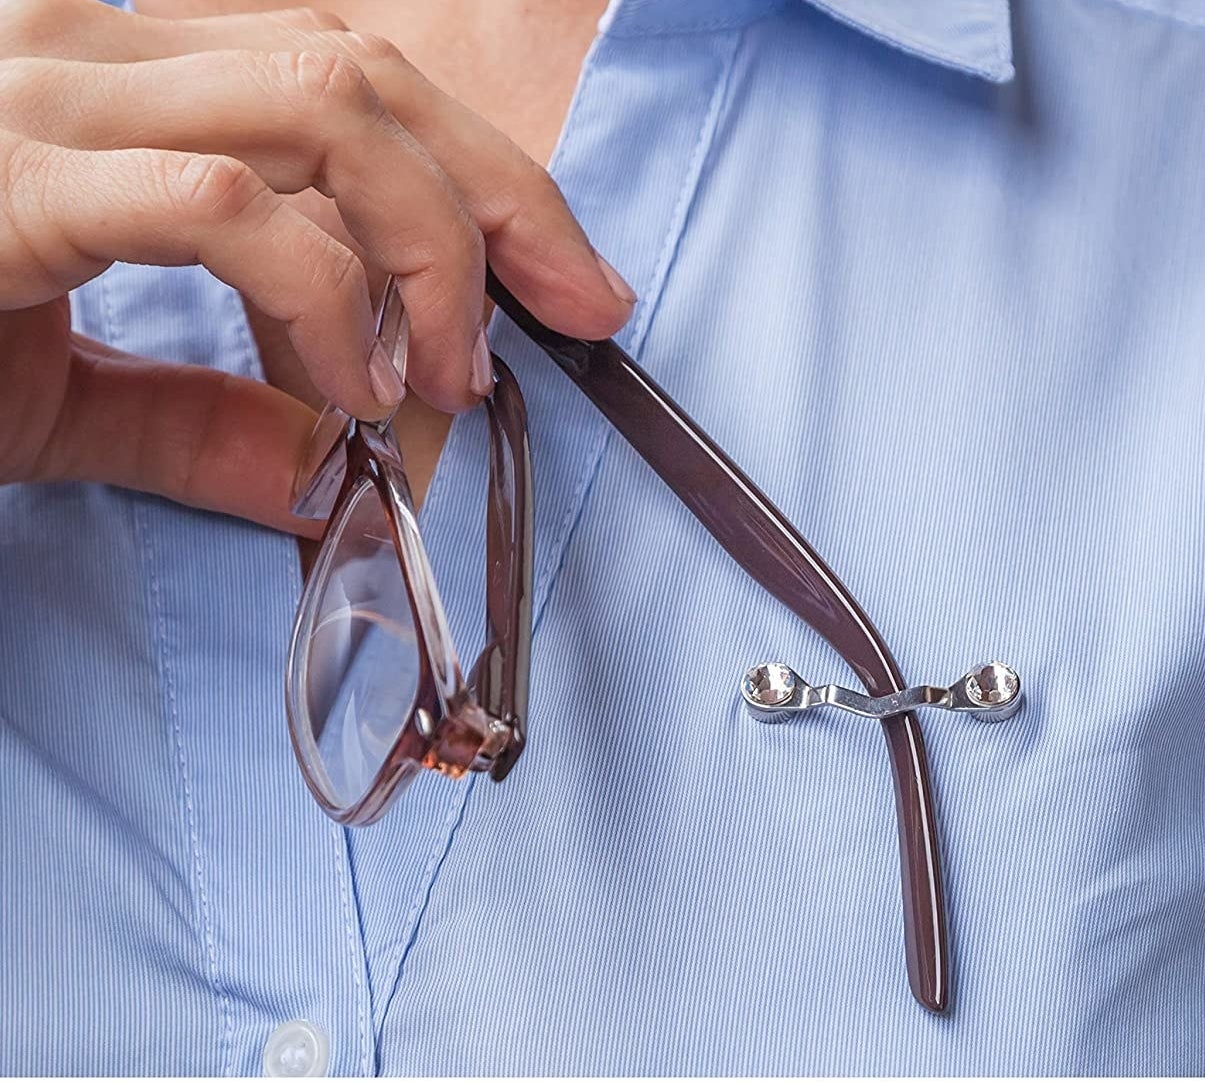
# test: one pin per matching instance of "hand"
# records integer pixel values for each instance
(170, 142)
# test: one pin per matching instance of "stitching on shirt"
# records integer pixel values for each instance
(690, 187)
(439, 480)
(367, 1046)
(1148, 7)
(909, 44)
(253, 369)
(565, 528)
(655, 286)
(418, 909)
(547, 571)
(142, 531)
(457, 796)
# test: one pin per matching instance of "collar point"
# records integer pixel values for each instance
(971, 36)
(1003, 72)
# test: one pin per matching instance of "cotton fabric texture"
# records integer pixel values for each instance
(933, 274)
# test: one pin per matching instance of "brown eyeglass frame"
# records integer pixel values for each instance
(760, 538)
(453, 726)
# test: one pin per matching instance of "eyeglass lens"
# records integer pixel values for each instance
(360, 663)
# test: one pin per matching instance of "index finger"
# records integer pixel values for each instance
(534, 242)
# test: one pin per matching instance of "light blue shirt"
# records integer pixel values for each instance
(934, 275)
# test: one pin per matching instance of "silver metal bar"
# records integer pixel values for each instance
(773, 692)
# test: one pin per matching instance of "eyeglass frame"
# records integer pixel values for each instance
(734, 511)
(434, 734)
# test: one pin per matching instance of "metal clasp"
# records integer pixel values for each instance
(773, 691)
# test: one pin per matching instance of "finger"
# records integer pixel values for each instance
(298, 120)
(65, 215)
(87, 30)
(534, 242)
(283, 30)
(189, 433)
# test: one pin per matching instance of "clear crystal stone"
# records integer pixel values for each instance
(771, 684)
(993, 684)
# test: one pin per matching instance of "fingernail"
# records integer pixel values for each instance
(387, 385)
(482, 379)
(619, 287)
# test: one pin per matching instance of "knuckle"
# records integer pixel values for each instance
(10, 152)
(443, 252)
(32, 180)
(339, 271)
(432, 306)
(521, 188)
(26, 163)
(212, 186)
(28, 86)
(530, 185)
(330, 79)
(170, 446)
(434, 296)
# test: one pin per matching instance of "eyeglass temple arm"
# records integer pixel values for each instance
(500, 676)
(752, 530)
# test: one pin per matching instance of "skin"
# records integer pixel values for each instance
(492, 57)
(298, 161)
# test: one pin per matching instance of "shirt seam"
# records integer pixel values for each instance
(367, 1045)
(202, 911)
(547, 569)
(172, 708)
(422, 898)
(577, 502)
(458, 803)
(548, 575)
(686, 196)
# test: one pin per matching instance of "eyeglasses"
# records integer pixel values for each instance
(374, 691)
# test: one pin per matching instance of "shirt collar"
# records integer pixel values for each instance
(971, 36)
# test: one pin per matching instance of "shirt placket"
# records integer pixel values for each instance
(633, 147)
(274, 905)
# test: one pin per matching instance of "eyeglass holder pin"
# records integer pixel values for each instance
(773, 692)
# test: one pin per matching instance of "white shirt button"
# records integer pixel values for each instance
(297, 1049)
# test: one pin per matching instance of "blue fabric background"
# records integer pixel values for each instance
(946, 303)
